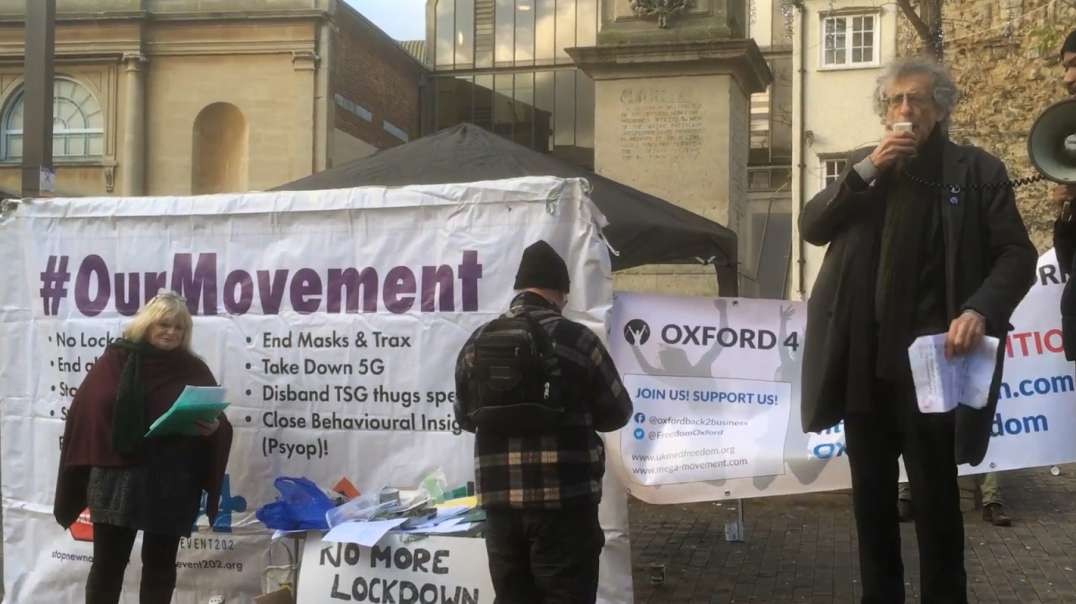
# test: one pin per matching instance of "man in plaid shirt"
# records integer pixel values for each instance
(541, 491)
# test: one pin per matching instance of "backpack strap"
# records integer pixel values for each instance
(546, 344)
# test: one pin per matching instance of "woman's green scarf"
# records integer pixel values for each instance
(129, 413)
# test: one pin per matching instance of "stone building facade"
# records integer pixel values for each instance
(1004, 57)
(163, 97)
(839, 48)
(766, 228)
(664, 109)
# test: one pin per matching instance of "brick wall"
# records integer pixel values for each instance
(1004, 57)
(374, 81)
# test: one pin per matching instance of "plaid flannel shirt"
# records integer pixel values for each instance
(550, 471)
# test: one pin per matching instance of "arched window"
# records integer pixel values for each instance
(78, 124)
(220, 150)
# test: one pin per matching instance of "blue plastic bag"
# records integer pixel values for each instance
(301, 505)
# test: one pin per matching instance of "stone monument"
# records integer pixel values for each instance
(673, 80)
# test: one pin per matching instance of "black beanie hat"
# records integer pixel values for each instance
(542, 267)
(1069, 45)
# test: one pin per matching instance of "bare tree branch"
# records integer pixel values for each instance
(920, 26)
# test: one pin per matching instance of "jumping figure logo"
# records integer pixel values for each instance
(637, 332)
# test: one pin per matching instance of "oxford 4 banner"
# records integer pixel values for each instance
(716, 386)
(333, 318)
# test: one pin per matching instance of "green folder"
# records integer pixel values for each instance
(195, 403)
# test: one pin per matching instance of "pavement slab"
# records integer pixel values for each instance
(802, 548)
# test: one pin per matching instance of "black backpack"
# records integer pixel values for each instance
(515, 385)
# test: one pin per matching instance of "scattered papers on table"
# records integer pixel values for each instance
(444, 518)
(366, 534)
(368, 507)
(280, 534)
(456, 525)
(470, 501)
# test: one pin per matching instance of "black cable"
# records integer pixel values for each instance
(986, 186)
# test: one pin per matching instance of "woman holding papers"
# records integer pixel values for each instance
(129, 482)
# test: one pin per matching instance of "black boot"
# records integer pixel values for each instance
(994, 513)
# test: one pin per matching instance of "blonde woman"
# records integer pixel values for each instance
(131, 483)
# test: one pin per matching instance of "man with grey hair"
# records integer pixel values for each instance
(916, 246)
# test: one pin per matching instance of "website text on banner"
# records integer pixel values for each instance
(716, 386)
(333, 319)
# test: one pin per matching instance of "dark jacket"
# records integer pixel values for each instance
(1065, 248)
(989, 266)
(87, 438)
(563, 468)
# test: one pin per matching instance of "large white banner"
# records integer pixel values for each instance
(333, 318)
(1035, 422)
(716, 387)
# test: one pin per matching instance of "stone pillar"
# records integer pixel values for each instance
(133, 164)
(672, 115)
(310, 153)
(325, 106)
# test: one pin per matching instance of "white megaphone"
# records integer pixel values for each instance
(1051, 144)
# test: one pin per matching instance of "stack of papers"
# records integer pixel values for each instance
(195, 403)
(941, 384)
(447, 520)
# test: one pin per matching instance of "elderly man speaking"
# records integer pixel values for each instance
(907, 257)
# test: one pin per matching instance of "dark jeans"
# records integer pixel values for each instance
(111, 551)
(874, 441)
(544, 556)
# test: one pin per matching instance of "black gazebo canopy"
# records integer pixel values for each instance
(642, 228)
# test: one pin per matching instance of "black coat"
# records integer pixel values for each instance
(1065, 248)
(989, 266)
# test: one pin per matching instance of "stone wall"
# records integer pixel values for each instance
(1004, 56)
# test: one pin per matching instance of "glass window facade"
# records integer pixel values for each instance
(502, 65)
(78, 124)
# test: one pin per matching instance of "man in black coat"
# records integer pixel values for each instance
(1064, 196)
(906, 258)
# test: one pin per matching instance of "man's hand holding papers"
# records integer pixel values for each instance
(942, 381)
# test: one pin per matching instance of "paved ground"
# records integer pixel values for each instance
(803, 548)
